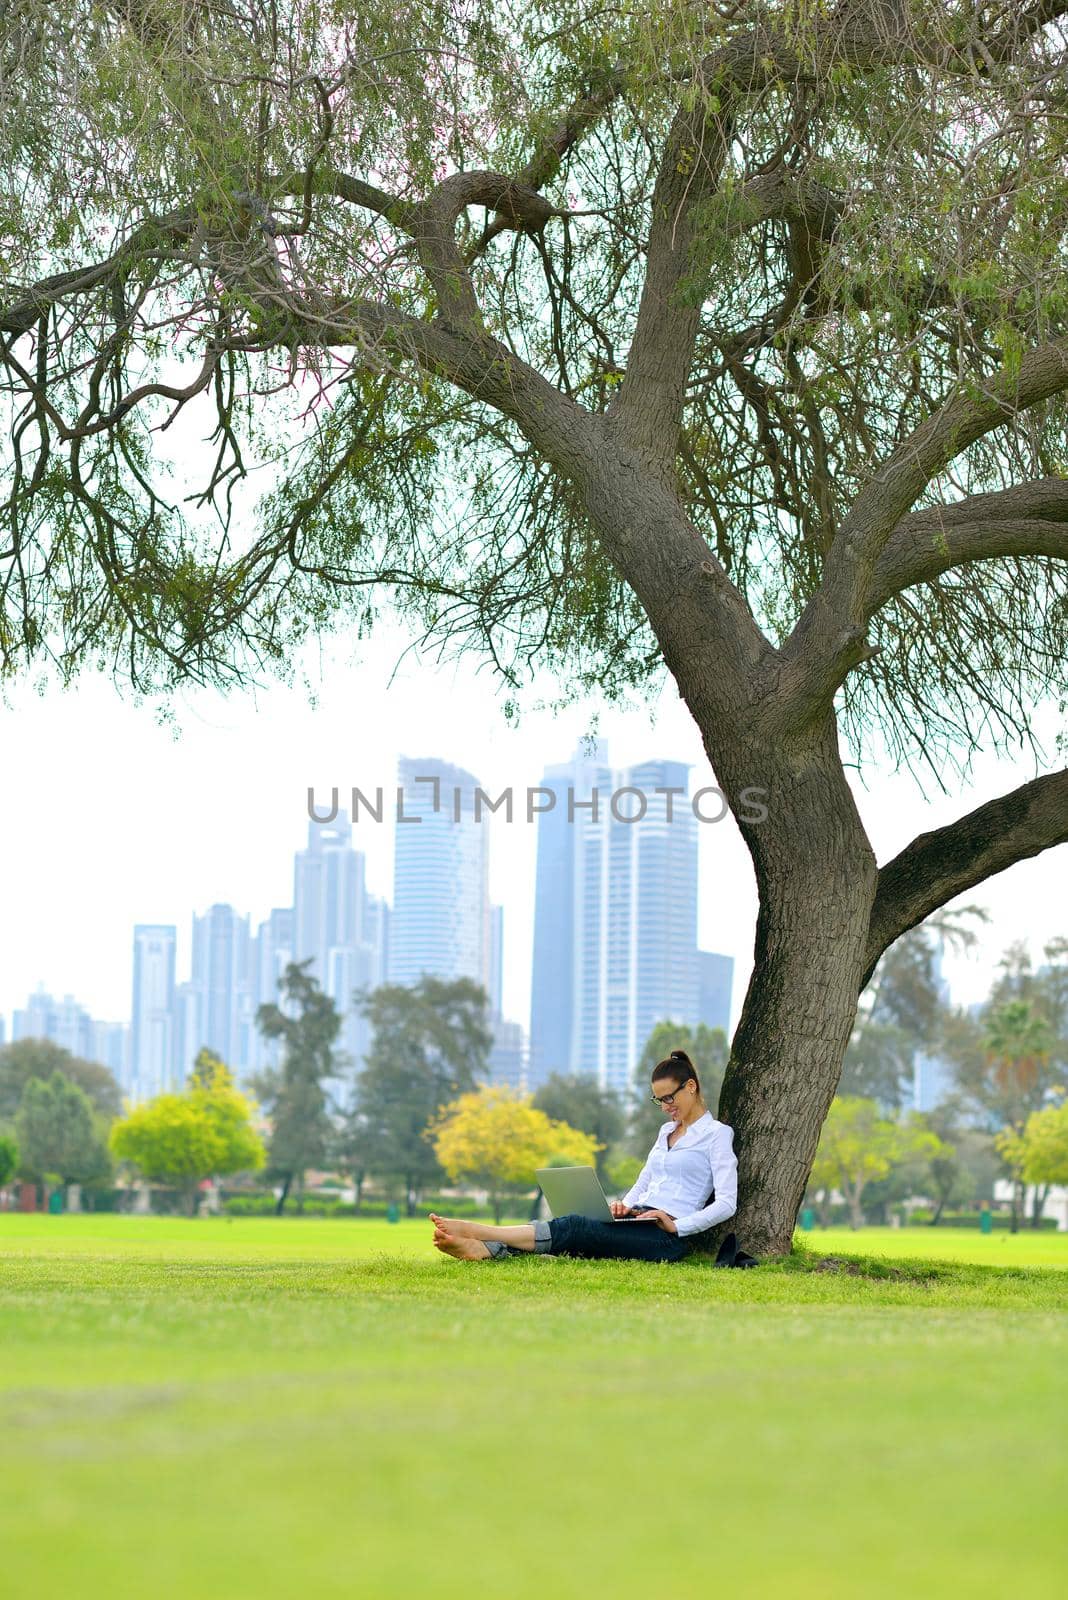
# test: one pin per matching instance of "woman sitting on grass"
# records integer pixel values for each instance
(693, 1157)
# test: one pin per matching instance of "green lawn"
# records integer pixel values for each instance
(261, 1409)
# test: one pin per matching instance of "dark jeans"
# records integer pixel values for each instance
(635, 1241)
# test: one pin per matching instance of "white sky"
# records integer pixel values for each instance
(110, 819)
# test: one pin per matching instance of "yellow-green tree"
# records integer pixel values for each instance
(1039, 1154)
(181, 1139)
(858, 1147)
(498, 1138)
(1046, 1137)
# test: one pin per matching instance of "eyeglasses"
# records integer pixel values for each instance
(668, 1100)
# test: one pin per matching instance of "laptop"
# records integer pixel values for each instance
(575, 1191)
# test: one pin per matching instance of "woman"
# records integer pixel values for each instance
(693, 1158)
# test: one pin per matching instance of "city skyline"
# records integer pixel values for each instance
(631, 937)
(124, 818)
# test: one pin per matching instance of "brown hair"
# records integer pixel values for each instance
(678, 1067)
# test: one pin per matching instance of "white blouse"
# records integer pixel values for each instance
(679, 1180)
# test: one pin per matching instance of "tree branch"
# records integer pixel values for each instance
(938, 866)
(857, 37)
(1028, 520)
(828, 640)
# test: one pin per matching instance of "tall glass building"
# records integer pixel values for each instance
(441, 923)
(615, 937)
(220, 989)
(152, 1017)
(338, 926)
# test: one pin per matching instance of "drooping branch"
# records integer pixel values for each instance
(829, 639)
(858, 37)
(1028, 520)
(940, 865)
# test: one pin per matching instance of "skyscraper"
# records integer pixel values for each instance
(152, 1014)
(635, 920)
(272, 950)
(553, 976)
(220, 986)
(338, 926)
(615, 942)
(68, 1024)
(715, 978)
(441, 915)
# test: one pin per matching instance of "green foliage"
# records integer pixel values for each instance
(294, 1095)
(497, 1138)
(818, 343)
(430, 1043)
(579, 1100)
(858, 1147)
(706, 1047)
(181, 1139)
(1045, 1146)
(58, 1137)
(40, 1058)
(9, 1158)
(903, 1011)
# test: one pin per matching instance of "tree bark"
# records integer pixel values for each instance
(283, 1197)
(816, 876)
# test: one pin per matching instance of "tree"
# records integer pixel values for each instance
(1018, 1045)
(579, 1100)
(903, 1011)
(498, 1138)
(294, 1094)
(40, 1058)
(706, 1048)
(858, 1147)
(9, 1159)
(430, 1043)
(58, 1138)
(726, 341)
(182, 1139)
(1046, 1146)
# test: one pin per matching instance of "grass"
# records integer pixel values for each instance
(255, 1408)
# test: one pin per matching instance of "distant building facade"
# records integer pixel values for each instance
(715, 978)
(615, 930)
(68, 1024)
(152, 1065)
(441, 925)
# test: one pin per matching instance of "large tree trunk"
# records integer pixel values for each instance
(816, 876)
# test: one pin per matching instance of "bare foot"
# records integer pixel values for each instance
(454, 1225)
(461, 1249)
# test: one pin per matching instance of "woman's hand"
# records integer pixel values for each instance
(661, 1218)
(618, 1209)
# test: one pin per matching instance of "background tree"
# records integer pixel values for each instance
(858, 1147)
(578, 1100)
(352, 1149)
(498, 1139)
(706, 1048)
(430, 1043)
(727, 340)
(1017, 1048)
(170, 1140)
(903, 1010)
(1046, 1146)
(9, 1159)
(294, 1094)
(58, 1138)
(182, 1139)
(40, 1058)
(212, 1089)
